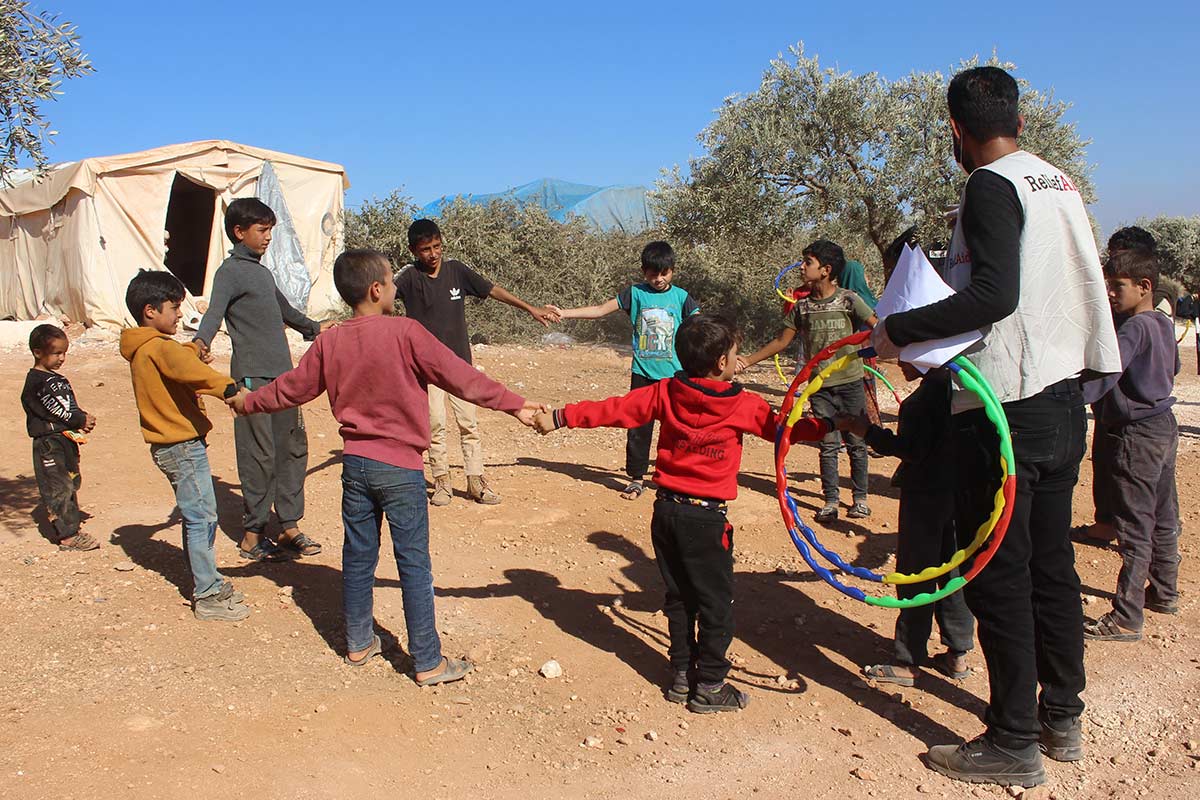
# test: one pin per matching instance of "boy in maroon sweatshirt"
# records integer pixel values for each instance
(702, 420)
(376, 369)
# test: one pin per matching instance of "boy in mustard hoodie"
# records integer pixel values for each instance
(167, 376)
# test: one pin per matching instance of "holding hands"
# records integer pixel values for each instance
(237, 403)
(528, 412)
(546, 315)
(856, 424)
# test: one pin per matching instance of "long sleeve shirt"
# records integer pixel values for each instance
(923, 439)
(245, 296)
(1149, 364)
(376, 371)
(49, 404)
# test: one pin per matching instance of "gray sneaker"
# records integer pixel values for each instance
(1062, 744)
(214, 608)
(229, 593)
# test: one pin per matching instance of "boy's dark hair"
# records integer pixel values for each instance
(152, 288)
(41, 337)
(828, 254)
(983, 101)
(355, 270)
(1136, 265)
(658, 257)
(244, 212)
(1131, 237)
(421, 231)
(701, 341)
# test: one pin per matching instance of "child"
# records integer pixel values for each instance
(826, 315)
(375, 368)
(167, 376)
(434, 291)
(1135, 410)
(272, 451)
(924, 443)
(656, 308)
(703, 417)
(52, 418)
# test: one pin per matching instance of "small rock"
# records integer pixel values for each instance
(863, 774)
(124, 566)
(1036, 793)
(514, 672)
(844, 731)
(218, 768)
(684, 726)
(618, 603)
(623, 740)
(551, 669)
(923, 789)
(593, 741)
(321, 709)
(1190, 745)
(97, 384)
(652, 736)
(781, 680)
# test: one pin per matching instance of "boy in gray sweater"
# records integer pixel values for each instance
(272, 449)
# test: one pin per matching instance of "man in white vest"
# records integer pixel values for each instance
(1023, 261)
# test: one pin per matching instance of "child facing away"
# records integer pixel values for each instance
(924, 442)
(656, 308)
(167, 378)
(54, 421)
(272, 450)
(703, 418)
(375, 368)
(826, 315)
(434, 291)
(1134, 410)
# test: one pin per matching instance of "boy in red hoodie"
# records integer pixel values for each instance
(702, 420)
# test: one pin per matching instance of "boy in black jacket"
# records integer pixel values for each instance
(52, 419)
(926, 477)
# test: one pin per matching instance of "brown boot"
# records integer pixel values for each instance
(480, 492)
(441, 491)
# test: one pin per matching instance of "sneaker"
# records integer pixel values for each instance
(1158, 606)
(479, 491)
(827, 514)
(723, 698)
(859, 510)
(1062, 745)
(680, 688)
(981, 761)
(229, 593)
(214, 608)
(441, 491)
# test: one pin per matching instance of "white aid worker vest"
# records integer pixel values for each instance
(1063, 322)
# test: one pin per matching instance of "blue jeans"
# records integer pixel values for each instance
(186, 467)
(371, 490)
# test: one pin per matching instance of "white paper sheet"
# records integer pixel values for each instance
(915, 283)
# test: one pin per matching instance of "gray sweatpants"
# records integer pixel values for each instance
(272, 461)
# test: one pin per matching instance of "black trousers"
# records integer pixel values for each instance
(848, 398)
(637, 440)
(56, 469)
(1102, 488)
(927, 539)
(694, 550)
(272, 461)
(1027, 599)
(1145, 509)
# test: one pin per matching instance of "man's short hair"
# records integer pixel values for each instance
(983, 101)
(701, 341)
(828, 254)
(152, 288)
(1132, 237)
(658, 257)
(244, 212)
(41, 337)
(355, 270)
(1136, 265)
(421, 231)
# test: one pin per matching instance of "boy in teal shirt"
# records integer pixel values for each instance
(656, 308)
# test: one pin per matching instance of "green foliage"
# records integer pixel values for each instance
(36, 54)
(1178, 240)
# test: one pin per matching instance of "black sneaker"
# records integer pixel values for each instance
(680, 687)
(827, 514)
(1158, 606)
(860, 510)
(1062, 744)
(722, 698)
(980, 761)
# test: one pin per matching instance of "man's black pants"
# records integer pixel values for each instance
(1026, 599)
(694, 550)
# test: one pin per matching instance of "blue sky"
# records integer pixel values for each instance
(442, 98)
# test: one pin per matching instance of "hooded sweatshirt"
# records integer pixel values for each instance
(700, 440)
(166, 378)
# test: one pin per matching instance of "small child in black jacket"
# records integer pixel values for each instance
(924, 442)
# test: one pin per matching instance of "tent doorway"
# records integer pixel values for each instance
(189, 228)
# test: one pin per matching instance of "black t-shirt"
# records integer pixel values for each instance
(437, 303)
(49, 404)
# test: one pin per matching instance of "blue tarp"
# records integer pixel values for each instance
(623, 208)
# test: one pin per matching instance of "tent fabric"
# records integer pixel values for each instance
(623, 208)
(71, 240)
(285, 257)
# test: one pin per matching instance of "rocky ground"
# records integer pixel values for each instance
(109, 687)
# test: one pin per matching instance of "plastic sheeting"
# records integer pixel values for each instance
(285, 257)
(623, 208)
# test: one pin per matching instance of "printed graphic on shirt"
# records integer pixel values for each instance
(656, 316)
(655, 333)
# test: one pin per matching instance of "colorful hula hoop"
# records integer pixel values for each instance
(988, 536)
(779, 279)
(867, 367)
(1187, 325)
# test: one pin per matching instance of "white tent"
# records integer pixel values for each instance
(71, 241)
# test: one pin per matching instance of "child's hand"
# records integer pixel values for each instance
(741, 367)
(526, 413)
(545, 315)
(89, 422)
(327, 324)
(203, 352)
(854, 424)
(237, 403)
(544, 422)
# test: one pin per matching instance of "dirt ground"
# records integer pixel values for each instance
(110, 688)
